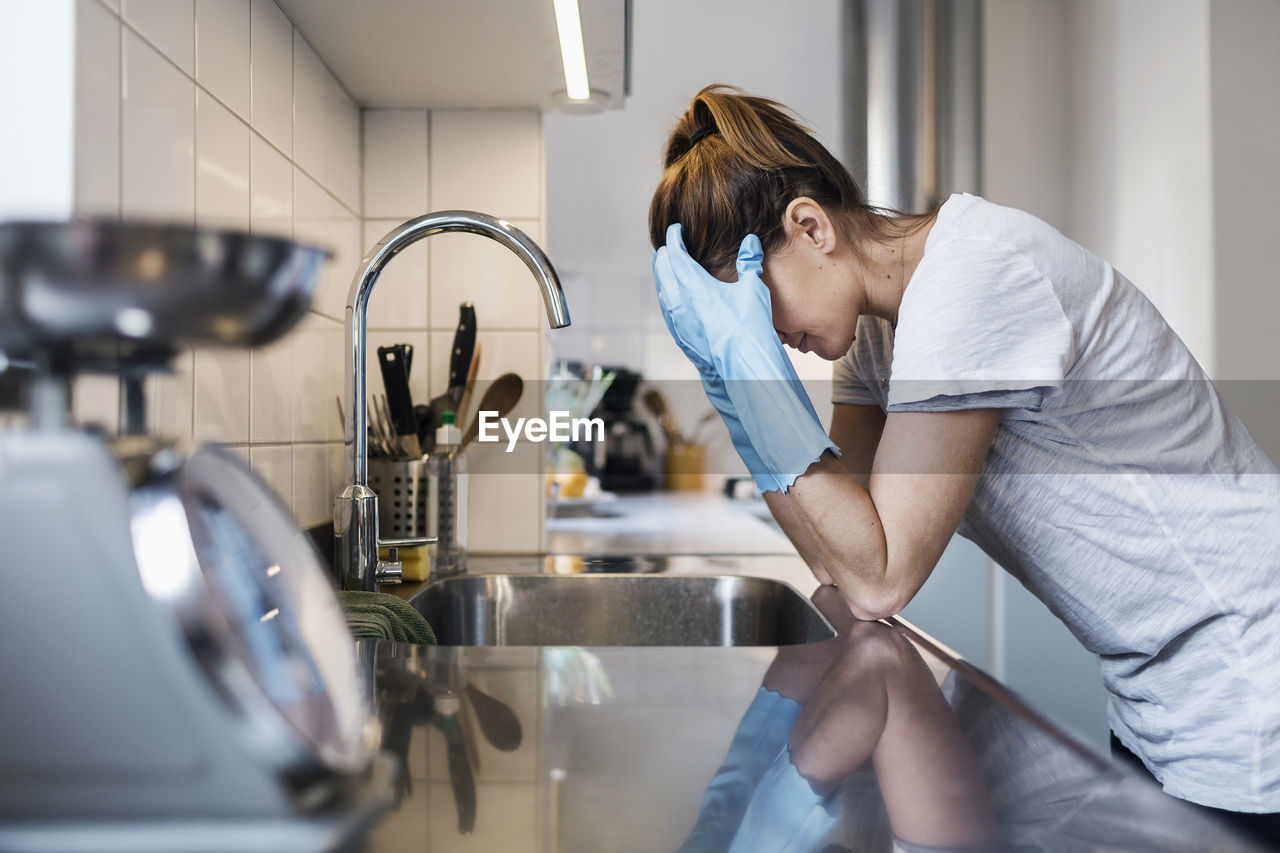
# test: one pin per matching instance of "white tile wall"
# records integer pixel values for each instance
(97, 110)
(342, 172)
(225, 116)
(471, 268)
(395, 163)
(487, 160)
(222, 166)
(271, 190)
(309, 109)
(222, 396)
(167, 24)
(400, 297)
(222, 52)
(271, 74)
(186, 110)
(157, 157)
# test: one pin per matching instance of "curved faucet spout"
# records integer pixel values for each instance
(355, 507)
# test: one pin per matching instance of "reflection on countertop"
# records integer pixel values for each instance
(667, 523)
(874, 740)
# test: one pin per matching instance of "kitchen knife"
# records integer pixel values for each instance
(395, 377)
(464, 343)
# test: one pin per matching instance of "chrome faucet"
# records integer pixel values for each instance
(355, 508)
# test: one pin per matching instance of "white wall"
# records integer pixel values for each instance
(1244, 35)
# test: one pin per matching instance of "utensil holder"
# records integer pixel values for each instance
(401, 485)
(685, 466)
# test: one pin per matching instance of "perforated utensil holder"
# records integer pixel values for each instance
(401, 485)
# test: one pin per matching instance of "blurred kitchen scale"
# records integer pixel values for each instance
(175, 671)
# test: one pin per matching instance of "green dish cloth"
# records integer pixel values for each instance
(382, 616)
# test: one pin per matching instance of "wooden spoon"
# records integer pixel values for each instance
(658, 406)
(502, 396)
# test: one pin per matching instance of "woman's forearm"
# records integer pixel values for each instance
(835, 525)
(785, 513)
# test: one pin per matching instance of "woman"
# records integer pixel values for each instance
(996, 378)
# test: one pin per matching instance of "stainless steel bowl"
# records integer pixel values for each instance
(101, 292)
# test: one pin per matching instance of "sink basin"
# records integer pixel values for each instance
(619, 610)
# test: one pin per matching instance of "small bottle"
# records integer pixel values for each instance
(447, 501)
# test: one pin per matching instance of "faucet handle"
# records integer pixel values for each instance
(412, 542)
(392, 570)
(388, 571)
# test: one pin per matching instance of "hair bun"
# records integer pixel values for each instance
(705, 130)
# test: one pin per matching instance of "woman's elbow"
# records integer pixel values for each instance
(873, 602)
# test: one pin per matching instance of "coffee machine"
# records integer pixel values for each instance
(626, 461)
(177, 672)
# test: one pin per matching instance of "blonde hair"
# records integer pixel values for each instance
(733, 163)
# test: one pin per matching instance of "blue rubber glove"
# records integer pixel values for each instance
(727, 331)
(785, 814)
(763, 731)
(686, 329)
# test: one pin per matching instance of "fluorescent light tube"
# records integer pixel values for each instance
(572, 53)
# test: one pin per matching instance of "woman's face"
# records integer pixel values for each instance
(811, 295)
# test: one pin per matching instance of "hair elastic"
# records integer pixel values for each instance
(700, 133)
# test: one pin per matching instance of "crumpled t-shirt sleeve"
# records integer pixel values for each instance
(979, 327)
(847, 386)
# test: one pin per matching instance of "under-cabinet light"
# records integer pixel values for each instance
(572, 53)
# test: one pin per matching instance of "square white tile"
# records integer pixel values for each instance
(275, 466)
(395, 163)
(222, 396)
(342, 145)
(271, 58)
(222, 52)
(505, 509)
(173, 398)
(271, 392)
(97, 110)
(317, 380)
(321, 220)
(400, 294)
(312, 491)
(157, 135)
(222, 166)
(167, 24)
(344, 240)
(487, 160)
(309, 109)
(96, 400)
(472, 268)
(271, 190)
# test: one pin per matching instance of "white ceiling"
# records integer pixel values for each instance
(459, 53)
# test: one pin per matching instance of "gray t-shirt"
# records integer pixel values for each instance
(1119, 488)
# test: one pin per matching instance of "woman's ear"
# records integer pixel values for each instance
(807, 221)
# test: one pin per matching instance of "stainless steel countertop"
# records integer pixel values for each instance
(617, 745)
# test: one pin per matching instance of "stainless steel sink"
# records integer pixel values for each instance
(618, 610)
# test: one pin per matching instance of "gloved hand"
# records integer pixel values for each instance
(727, 331)
(785, 815)
(686, 329)
(763, 731)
